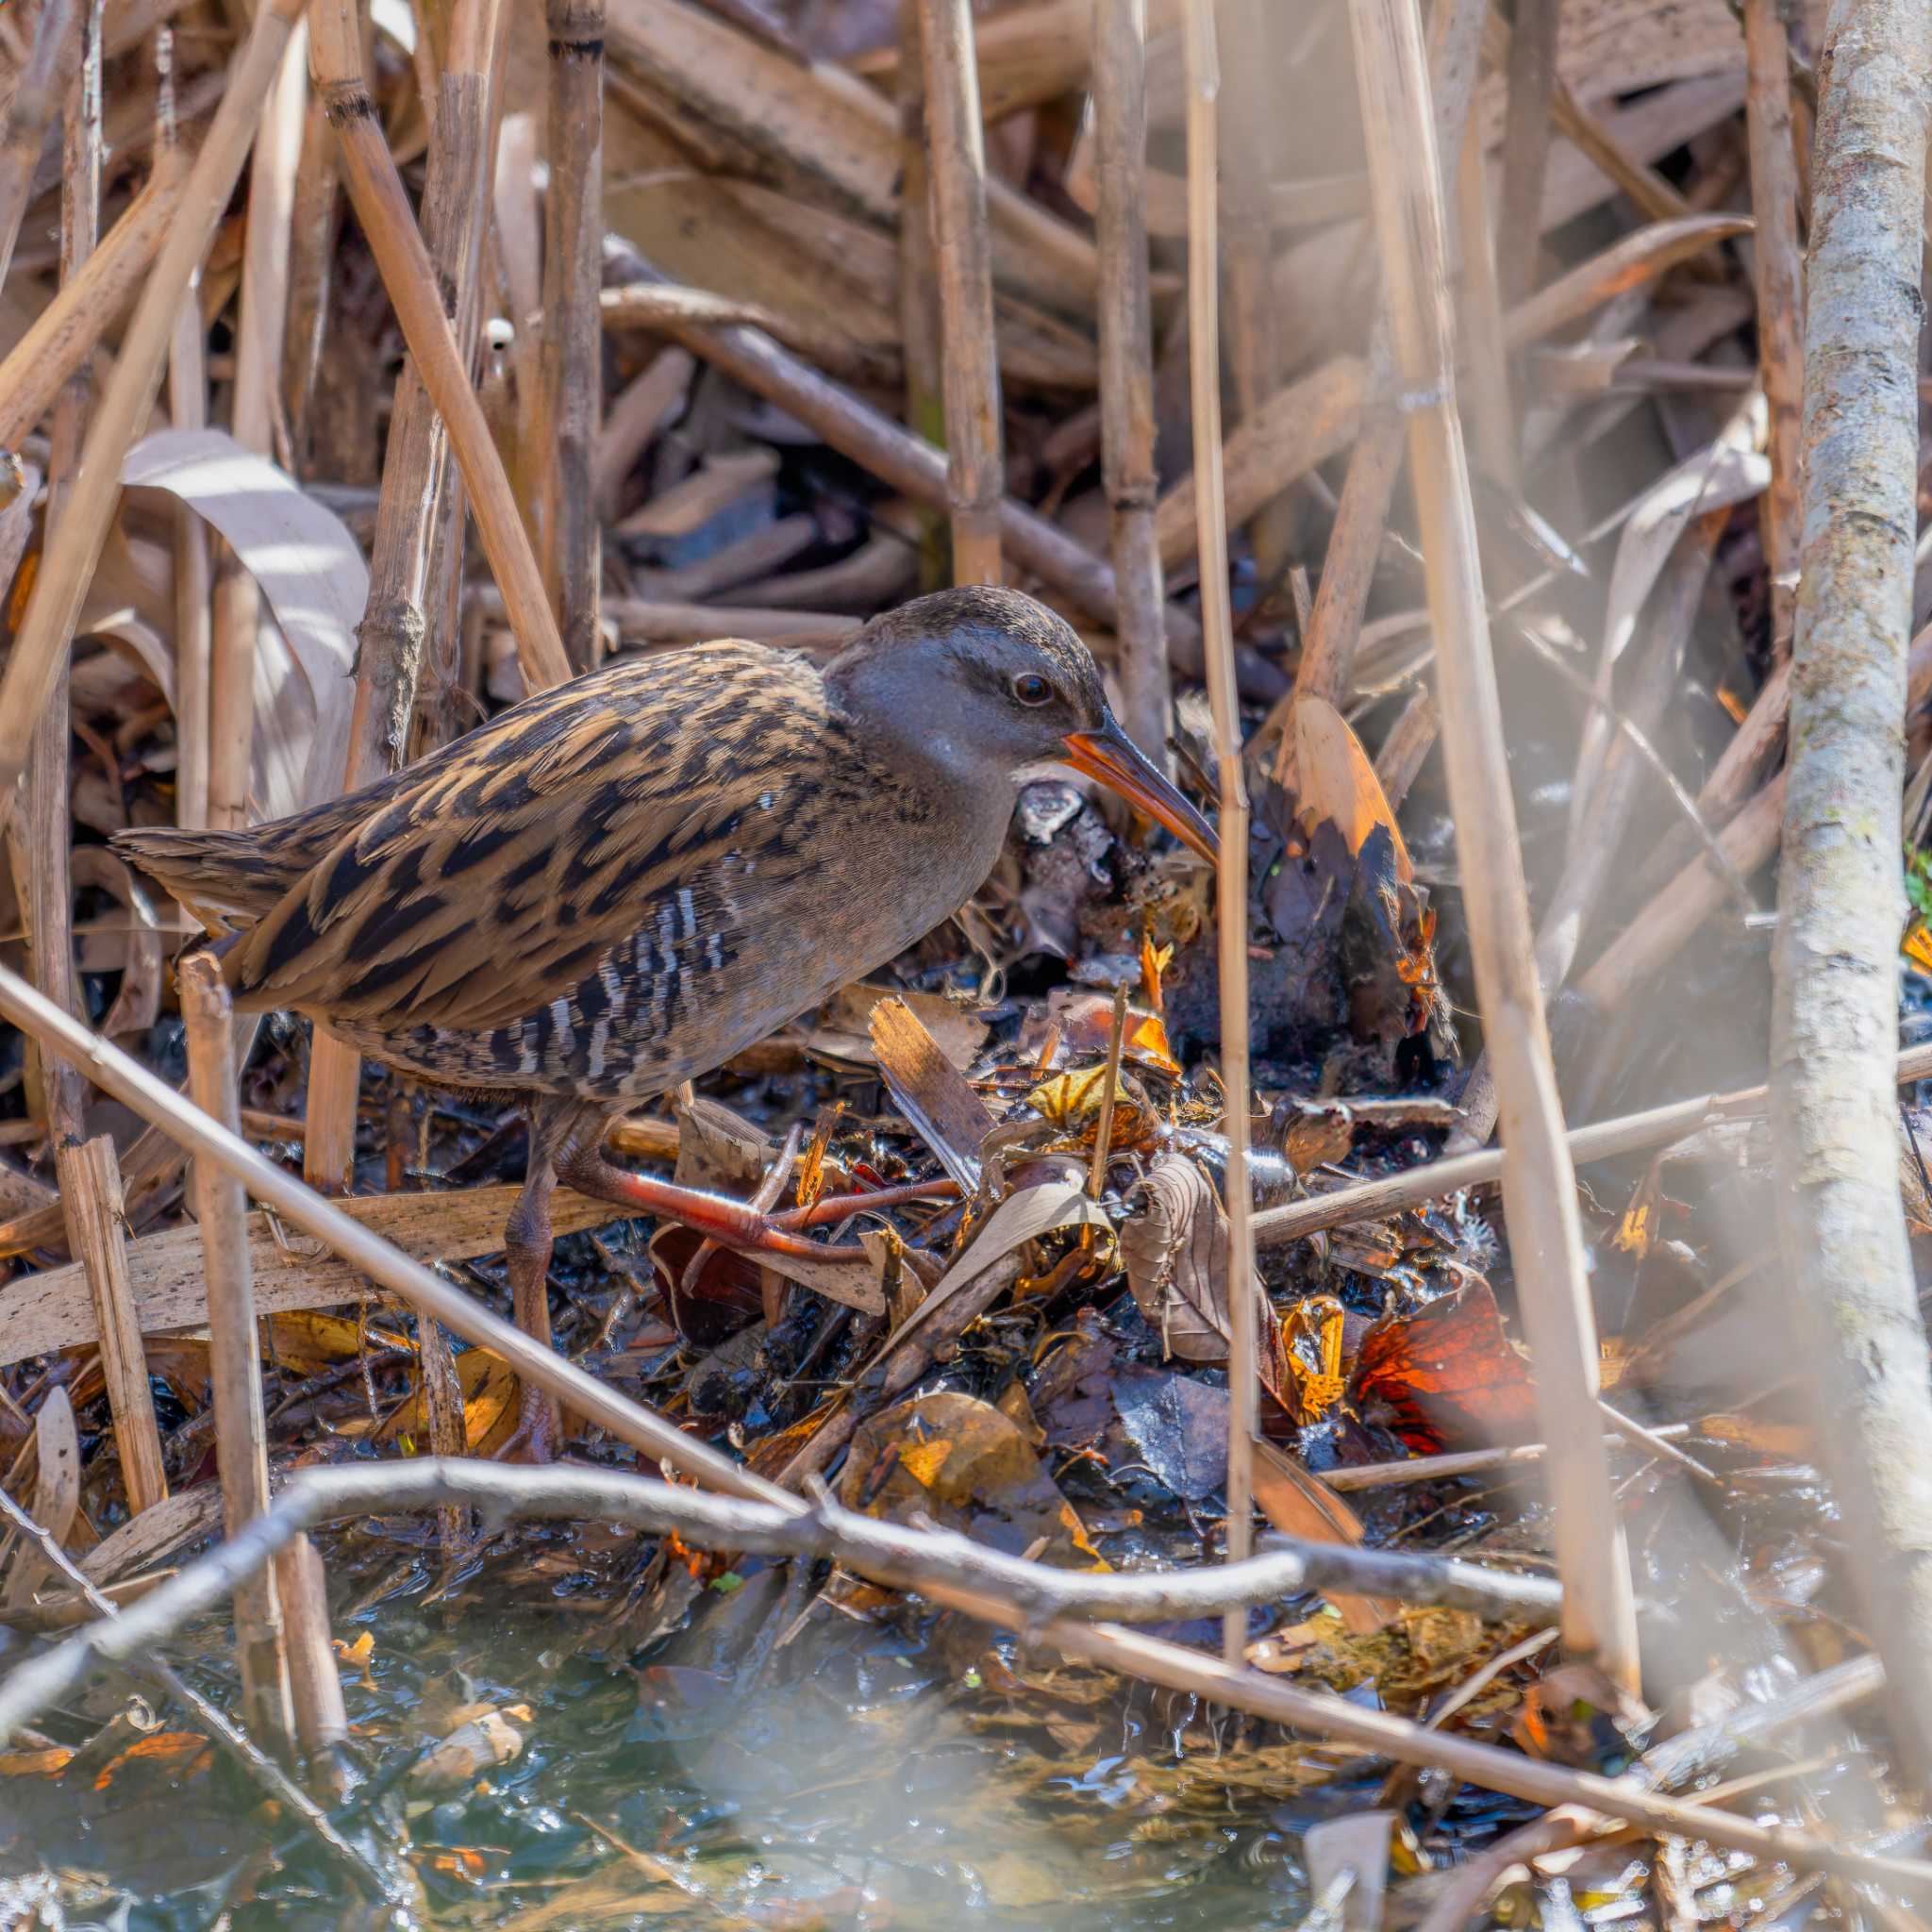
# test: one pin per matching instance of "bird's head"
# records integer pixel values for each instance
(995, 682)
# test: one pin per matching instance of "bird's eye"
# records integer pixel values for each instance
(1032, 688)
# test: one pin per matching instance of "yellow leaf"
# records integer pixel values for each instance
(923, 1461)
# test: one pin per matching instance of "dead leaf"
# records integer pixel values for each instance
(1447, 1376)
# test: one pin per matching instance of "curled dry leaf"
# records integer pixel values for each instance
(467, 1752)
(137, 951)
(1174, 1245)
(313, 579)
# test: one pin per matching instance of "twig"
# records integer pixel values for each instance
(1126, 369)
(234, 1349)
(36, 94)
(115, 1073)
(317, 1495)
(573, 366)
(963, 258)
(147, 1663)
(1538, 1185)
(1231, 874)
(69, 563)
(410, 277)
(1460, 1462)
(1835, 956)
(1103, 1131)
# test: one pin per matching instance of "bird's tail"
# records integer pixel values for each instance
(227, 880)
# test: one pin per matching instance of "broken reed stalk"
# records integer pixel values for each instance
(36, 94)
(1231, 874)
(1128, 472)
(90, 1198)
(409, 278)
(315, 1683)
(572, 369)
(315, 223)
(919, 286)
(1777, 277)
(1841, 895)
(1538, 1184)
(234, 1347)
(1005, 1592)
(60, 339)
(417, 480)
(68, 563)
(261, 309)
(975, 475)
(129, 1082)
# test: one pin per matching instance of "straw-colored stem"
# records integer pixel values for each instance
(234, 1345)
(1482, 314)
(964, 257)
(1532, 73)
(409, 278)
(63, 336)
(90, 1196)
(219, 1146)
(1231, 876)
(919, 286)
(68, 566)
(36, 94)
(571, 374)
(193, 581)
(315, 1684)
(1777, 274)
(42, 875)
(1128, 472)
(1538, 1185)
(263, 317)
(1354, 543)
(417, 479)
(315, 223)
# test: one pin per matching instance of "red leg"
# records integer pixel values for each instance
(734, 1223)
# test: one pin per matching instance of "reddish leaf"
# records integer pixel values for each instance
(1446, 1375)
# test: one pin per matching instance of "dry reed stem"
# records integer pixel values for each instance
(1481, 318)
(1408, 743)
(90, 1197)
(1538, 1184)
(1128, 472)
(62, 338)
(573, 366)
(1841, 902)
(39, 845)
(234, 1346)
(217, 1145)
(962, 241)
(655, 307)
(1354, 543)
(68, 564)
(261, 323)
(36, 96)
(417, 482)
(409, 278)
(1659, 931)
(1532, 75)
(919, 287)
(1777, 276)
(314, 223)
(315, 1684)
(193, 580)
(1231, 874)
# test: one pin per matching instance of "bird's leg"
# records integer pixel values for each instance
(527, 1244)
(733, 1224)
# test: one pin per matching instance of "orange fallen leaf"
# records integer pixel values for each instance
(1447, 1374)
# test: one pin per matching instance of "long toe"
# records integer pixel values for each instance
(539, 1438)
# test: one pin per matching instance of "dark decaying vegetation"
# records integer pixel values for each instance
(1451, 1445)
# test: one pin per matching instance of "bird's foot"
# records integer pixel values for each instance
(539, 1438)
(735, 1223)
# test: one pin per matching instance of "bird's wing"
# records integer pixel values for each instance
(492, 887)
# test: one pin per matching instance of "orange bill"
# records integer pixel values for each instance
(1110, 755)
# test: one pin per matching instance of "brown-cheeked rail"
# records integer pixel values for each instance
(618, 884)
